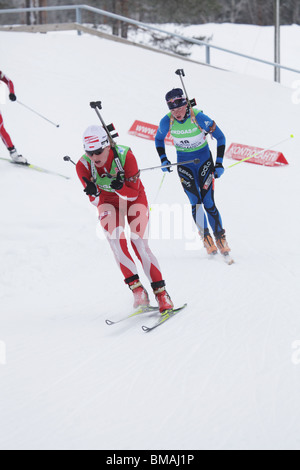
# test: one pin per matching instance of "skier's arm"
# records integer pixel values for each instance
(84, 171)
(7, 82)
(209, 126)
(130, 189)
(161, 134)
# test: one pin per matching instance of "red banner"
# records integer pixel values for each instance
(147, 131)
(258, 155)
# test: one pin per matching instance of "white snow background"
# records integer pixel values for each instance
(254, 41)
(224, 374)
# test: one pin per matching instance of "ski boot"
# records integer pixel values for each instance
(208, 243)
(16, 158)
(141, 298)
(222, 243)
(163, 299)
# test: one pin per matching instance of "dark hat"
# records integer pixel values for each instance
(175, 98)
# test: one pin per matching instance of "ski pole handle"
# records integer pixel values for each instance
(181, 74)
(38, 114)
(68, 159)
(96, 105)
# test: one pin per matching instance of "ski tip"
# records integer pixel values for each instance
(109, 322)
(174, 310)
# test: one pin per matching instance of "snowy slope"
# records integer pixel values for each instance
(224, 374)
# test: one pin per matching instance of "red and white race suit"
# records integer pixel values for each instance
(3, 133)
(115, 207)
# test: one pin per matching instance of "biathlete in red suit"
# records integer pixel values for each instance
(3, 133)
(117, 199)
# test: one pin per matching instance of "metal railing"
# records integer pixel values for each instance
(80, 8)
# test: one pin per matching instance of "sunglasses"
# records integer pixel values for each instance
(174, 103)
(94, 152)
(172, 100)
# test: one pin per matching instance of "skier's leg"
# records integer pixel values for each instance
(5, 136)
(138, 219)
(191, 189)
(213, 214)
(113, 223)
(10, 146)
(207, 183)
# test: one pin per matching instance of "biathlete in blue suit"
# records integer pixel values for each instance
(189, 128)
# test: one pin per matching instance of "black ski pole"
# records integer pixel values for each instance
(38, 114)
(97, 105)
(192, 102)
(196, 161)
(181, 74)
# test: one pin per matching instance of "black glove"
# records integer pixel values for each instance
(118, 183)
(219, 170)
(91, 188)
(12, 97)
(164, 162)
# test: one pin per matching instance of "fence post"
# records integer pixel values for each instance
(78, 19)
(277, 40)
(207, 48)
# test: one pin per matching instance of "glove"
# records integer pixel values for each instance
(91, 188)
(12, 97)
(118, 183)
(219, 170)
(164, 162)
